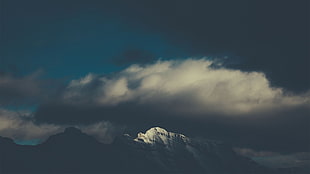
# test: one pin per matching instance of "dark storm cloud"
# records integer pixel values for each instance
(272, 36)
(268, 36)
(191, 97)
(282, 131)
(27, 89)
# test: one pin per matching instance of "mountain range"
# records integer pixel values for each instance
(155, 151)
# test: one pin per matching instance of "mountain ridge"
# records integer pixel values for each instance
(155, 151)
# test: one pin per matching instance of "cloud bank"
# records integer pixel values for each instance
(277, 160)
(21, 126)
(24, 90)
(197, 97)
(185, 87)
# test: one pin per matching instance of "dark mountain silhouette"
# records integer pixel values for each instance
(156, 151)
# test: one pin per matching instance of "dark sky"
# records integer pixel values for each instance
(272, 36)
(46, 44)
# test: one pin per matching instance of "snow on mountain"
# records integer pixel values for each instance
(157, 135)
(179, 153)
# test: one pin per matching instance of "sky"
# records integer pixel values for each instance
(236, 71)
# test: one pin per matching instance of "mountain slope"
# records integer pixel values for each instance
(156, 151)
(177, 153)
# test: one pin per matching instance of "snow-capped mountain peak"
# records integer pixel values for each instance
(174, 150)
(157, 135)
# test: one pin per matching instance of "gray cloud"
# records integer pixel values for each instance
(104, 131)
(277, 160)
(21, 126)
(252, 153)
(29, 89)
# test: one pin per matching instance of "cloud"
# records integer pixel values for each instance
(252, 153)
(186, 87)
(29, 89)
(191, 96)
(21, 126)
(103, 131)
(239, 29)
(277, 160)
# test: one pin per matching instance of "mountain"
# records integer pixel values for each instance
(155, 151)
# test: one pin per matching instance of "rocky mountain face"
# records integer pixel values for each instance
(155, 151)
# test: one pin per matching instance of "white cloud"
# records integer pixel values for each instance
(19, 125)
(188, 86)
